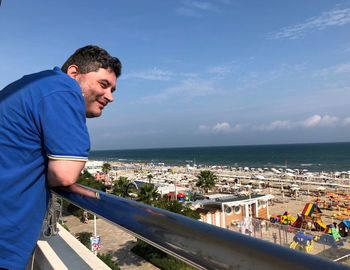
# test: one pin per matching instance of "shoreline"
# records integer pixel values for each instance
(304, 187)
(315, 157)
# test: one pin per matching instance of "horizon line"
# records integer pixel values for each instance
(214, 146)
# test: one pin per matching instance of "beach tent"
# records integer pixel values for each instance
(311, 208)
(344, 228)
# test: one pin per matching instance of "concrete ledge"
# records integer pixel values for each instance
(65, 252)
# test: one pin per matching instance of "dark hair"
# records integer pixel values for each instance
(91, 58)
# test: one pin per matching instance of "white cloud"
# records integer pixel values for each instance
(335, 17)
(187, 89)
(187, 12)
(317, 120)
(204, 128)
(220, 70)
(225, 127)
(346, 121)
(201, 5)
(220, 128)
(312, 121)
(329, 120)
(155, 74)
(275, 125)
(334, 70)
(194, 8)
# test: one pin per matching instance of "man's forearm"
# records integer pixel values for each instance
(81, 191)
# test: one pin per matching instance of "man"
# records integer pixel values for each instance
(44, 142)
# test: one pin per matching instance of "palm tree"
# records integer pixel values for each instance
(206, 180)
(106, 167)
(149, 177)
(120, 186)
(148, 193)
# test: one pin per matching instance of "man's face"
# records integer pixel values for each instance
(97, 87)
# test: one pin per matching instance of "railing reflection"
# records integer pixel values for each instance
(199, 244)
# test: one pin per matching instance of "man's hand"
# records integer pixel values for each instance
(82, 191)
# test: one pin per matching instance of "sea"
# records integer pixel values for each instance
(314, 157)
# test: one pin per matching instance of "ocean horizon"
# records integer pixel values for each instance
(310, 156)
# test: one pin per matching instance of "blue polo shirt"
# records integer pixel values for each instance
(42, 116)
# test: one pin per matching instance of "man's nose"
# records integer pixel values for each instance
(109, 96)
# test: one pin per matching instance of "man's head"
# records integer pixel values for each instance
(96, 72)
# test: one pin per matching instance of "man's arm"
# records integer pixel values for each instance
(64, 173)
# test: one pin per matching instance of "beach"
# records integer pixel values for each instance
(292, 190)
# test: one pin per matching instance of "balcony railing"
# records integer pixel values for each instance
(201, 245)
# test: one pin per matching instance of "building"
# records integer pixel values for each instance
(224, 210)
(93, 166)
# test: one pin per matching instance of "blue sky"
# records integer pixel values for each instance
(198, 73)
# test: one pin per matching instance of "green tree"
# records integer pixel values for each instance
(107, 259)
(84, 238)
(177, 207)
(206, 180)
(120, 186)
(148, 193)
(106, 168)
(159, 258)
(86, 174)
(149, 177)
(88, 180)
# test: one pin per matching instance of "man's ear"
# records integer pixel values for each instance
(73, 71)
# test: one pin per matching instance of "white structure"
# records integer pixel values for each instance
(223, 210)
(93, 166)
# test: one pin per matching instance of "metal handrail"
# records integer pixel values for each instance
(342, 258)
(201, 245)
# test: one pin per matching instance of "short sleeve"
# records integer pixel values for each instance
(63, 125)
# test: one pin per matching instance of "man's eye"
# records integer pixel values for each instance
(103, 85)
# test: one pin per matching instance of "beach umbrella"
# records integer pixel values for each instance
(275, 170)
(289, 174)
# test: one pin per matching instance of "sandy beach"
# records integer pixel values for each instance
(291, 193)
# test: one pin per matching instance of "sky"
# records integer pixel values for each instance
(197, 73)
